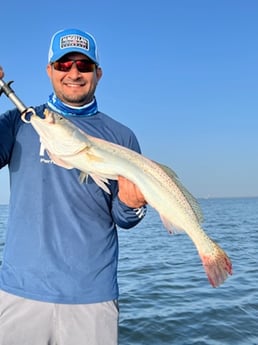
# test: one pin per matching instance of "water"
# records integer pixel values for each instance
(165, 297)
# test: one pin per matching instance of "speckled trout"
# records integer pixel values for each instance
(70, 147)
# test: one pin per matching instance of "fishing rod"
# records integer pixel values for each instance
(9, 92)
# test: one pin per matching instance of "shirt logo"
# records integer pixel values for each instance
(44, 157)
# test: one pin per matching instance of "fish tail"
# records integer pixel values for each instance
(217, 264)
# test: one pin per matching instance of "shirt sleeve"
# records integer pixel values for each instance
(8, 127)
(126, 217)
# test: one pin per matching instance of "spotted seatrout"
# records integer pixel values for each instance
(70, 147)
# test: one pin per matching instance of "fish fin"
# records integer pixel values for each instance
(217, 265)
(101, 182)
(93, 157)
(171, 228)
(190, 198)
(83, 177)
(59, 161)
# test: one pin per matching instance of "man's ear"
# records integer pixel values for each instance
(99, 73)
(49, 70)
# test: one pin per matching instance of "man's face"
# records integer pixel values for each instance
(71, 86)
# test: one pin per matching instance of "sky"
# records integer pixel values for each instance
(182, 74)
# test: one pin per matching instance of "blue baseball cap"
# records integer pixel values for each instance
(71, 41)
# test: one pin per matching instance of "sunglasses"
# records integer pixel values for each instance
(83, 66)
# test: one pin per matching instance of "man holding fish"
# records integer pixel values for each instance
(58, 278)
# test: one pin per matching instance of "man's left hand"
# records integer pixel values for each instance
(129, 193)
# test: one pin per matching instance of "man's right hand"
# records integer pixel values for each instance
(1, 73)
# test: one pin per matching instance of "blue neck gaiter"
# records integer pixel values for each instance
(55, 104)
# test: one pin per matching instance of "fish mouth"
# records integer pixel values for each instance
(27, 115)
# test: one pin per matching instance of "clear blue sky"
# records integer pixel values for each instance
(182, 74)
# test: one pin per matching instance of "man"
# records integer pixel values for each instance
(58, 279)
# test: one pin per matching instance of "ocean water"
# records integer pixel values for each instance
(165, 297)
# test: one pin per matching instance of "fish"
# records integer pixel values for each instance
(70, 147)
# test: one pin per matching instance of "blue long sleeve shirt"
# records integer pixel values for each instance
(61, 242)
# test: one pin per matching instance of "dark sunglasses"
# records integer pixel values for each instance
(83, 66)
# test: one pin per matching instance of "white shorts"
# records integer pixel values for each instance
(29, 322)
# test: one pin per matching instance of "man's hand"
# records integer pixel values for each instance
(129, 194)
(1, 73)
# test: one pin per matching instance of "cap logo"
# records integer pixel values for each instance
(74, 41)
